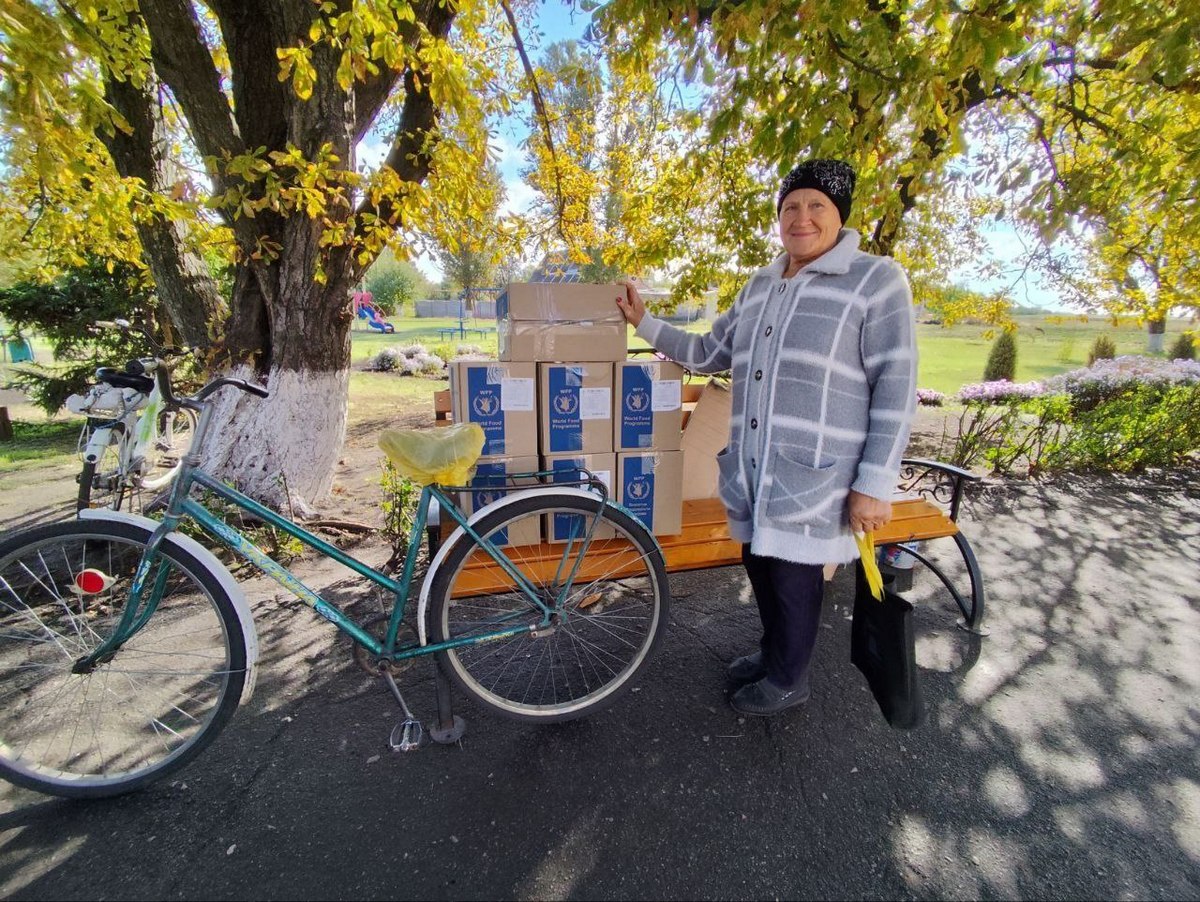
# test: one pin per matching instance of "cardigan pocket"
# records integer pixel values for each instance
(802, 494)
(729, 485)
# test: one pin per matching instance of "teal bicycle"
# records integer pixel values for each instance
(126, 646)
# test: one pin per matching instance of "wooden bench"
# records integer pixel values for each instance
(931, 496)
(931, 513)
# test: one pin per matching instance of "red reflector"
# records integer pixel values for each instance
(90, 581)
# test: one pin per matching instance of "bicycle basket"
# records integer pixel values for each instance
(106, 400)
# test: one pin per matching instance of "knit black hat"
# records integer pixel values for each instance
(833, 178)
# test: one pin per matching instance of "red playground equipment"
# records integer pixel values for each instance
(365, 308)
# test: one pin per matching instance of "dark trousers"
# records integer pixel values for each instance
(789, 603)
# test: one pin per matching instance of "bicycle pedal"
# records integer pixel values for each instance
(407, 736)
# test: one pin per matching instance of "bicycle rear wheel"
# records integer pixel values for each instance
(162, 697)
(596, 640)
(175, 431)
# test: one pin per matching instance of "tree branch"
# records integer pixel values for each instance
(409, 155)
(252, 34)
(185, 65)
(539, 107)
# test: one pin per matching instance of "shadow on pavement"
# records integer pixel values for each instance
(1059, 759)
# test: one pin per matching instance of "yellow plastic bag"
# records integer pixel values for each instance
(445, 456)
(866, 551)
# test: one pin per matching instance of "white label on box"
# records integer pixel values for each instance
(605, 476)
(665, 394)
(516, 394)
(595, 403)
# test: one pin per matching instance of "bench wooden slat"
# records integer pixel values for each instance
(704, 542)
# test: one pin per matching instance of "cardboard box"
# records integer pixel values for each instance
(500, 397)
(566, 467)
(706, 434)
(648, 405)
(575, 409)
(553, 321)
(650, 485)
(493, 474)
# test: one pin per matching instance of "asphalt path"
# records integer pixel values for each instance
(1059, 759)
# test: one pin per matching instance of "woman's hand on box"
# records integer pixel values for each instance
(632, 306)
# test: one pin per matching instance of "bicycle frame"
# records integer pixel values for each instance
(181, 506)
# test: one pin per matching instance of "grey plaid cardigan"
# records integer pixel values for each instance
(824, 391)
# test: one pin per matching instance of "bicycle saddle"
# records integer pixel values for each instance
(445, 455)
(144, 384)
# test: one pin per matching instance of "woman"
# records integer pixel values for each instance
(822, 348)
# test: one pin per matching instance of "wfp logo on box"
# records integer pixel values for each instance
(483, 499)
(638, 488)
(486, 404)
(637, 400)
(566, 403)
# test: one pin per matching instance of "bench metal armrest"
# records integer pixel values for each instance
(935, 480)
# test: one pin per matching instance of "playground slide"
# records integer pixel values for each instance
(374, 320)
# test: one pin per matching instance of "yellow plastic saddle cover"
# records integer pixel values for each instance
(446, 455)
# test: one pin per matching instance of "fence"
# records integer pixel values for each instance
(484, 309)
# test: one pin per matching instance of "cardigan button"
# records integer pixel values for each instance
(782, 289)
(770, 329)
(753, 463)
(754, 424)
(757, 375)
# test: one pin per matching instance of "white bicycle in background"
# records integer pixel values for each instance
(131, 444)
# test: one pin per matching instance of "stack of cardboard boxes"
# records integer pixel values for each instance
(563, 397)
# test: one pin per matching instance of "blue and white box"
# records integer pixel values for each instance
(566, 468)
(576, 407)
(495, 478)
(647, 406)
(501, 398)
(650, 486)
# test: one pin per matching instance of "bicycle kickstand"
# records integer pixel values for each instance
(450, 727)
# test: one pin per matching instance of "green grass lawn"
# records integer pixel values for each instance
(1047, 345)
(39, 442)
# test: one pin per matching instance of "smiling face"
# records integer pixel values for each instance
(808, 226)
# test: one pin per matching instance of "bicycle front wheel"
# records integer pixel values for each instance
(598, 634)
(163, 695)
(103, 482)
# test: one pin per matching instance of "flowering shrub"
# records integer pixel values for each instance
(1106, 379)
(930, 397)
(409, 360)
(471, 352)
(1120, 415)
(1000, 391)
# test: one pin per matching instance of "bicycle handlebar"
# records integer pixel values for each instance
(241, 384)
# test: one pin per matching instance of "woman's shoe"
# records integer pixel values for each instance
(763, 698)
(747, 669)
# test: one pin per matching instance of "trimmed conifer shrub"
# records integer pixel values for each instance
(1103, 348)
(1183, 348)
(1002, 361)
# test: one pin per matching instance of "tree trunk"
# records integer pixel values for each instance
(1156, 331)
(287, 330)
(283, 450)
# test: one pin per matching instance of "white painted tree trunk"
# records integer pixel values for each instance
(1154, 342)
(280, 450)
